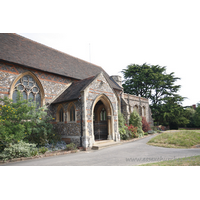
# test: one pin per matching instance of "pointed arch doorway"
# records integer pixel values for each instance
(102, 119)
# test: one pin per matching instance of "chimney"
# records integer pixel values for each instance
(117, 79)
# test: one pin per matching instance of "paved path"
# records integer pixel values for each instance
(127, 154)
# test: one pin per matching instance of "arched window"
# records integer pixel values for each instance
(29, 88)
(61, 115)
(136, 108)
(72, 113)
(103, 116)
(143, 111)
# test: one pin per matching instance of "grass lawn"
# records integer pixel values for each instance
(176, 139)
(188, 161)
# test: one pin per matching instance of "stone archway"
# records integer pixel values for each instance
(102, 119)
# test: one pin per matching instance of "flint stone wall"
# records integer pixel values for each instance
(96, 88)
(68, 129)
(52, 84)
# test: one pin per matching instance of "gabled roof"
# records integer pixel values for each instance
(73, 91)
(17, 49)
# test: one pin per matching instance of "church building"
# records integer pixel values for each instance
(82, 98)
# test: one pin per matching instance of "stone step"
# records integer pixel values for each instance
(103, 144)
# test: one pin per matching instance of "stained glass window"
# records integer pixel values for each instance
(29, 89)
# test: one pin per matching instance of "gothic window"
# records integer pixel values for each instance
(143, 111)
(103, 116)
(72, 113)
(61, 115)
(29, 89)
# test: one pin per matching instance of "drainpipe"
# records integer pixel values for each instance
(81, 123)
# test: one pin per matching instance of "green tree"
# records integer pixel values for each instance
(149, 81)
(172, 113)
(197, 116)
(152, 82)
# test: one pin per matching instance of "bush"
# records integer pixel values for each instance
(20, 149)
(133, 131)
(43, 150)
(14, 118)
(24, 121)
(71, 146)
(145, 133)
(41, 130)
(154, 128)
(136, 121)
(123, 130)
(145, 125)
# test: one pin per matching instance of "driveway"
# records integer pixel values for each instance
(127, 154)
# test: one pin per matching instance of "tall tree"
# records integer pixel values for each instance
(149, 81)
(152, 82)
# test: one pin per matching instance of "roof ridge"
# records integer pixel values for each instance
(56, 50)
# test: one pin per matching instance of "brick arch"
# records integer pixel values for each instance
(35, 79)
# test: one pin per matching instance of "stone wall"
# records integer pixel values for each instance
(52, 84)
(141, 105)
(67, 129)
(99, 87)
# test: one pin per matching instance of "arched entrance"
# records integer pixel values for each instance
(100, 122)
(102, 119)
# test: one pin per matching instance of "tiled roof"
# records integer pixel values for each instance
(73, 91)
(17, 49)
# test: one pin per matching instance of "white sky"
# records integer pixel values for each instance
(120, 33)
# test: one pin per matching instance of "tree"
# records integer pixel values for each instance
(197, 116)
(172, 113)
(152, 82)
(149, 81)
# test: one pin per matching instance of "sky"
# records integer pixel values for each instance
(115, 34)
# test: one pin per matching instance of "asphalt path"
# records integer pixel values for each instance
(126, 154)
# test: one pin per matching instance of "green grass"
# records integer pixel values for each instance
(188, 161)
(177, 139)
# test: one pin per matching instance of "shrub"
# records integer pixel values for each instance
(43, 150)
(22, 121)
(133, 131)
(20, 149)
(154, 128)
(145, 125)
(136, 121)
(123, 130)
(145, 133)
(71, 146)
(14, 118)
(34, 152)
(41, 130)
